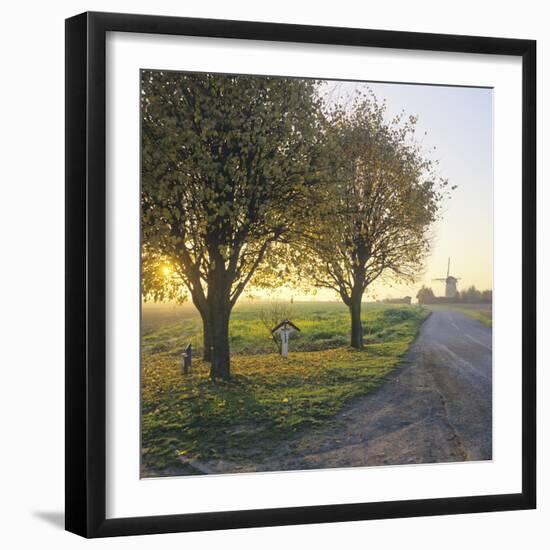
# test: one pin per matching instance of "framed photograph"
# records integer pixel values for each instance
(300, 274)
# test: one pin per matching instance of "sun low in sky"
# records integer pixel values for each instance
(454, 128)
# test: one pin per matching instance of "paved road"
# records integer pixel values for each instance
(436, 407)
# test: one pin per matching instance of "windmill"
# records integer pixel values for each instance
(450, 282)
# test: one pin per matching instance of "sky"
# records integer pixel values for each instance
(458, 122)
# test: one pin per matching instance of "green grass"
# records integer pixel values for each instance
(480, 312)
(269, 398)
(485, 317)
(324, 325)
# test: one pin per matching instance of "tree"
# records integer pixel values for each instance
(473, 296)
(376, 213)
(226, 162)
(425, 295)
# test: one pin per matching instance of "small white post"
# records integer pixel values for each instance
(283, 330)
(284, 342)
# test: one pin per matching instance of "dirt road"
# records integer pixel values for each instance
(436, 407)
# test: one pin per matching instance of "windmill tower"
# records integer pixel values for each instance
(450, 282)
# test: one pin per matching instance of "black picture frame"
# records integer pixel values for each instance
(86, 278)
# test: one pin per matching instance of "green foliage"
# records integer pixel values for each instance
(269, 398)
(469, 296)
(323, 325)
(474, 296)
(226, 161)
(425, 295)
(251, 180)
(383, 197)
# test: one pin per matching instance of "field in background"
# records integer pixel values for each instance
(269, 398)
(323, 325)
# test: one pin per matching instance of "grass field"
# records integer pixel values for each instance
(269, 398)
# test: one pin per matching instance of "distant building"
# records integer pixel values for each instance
(450, 287)
(404, 300)
(450, 283)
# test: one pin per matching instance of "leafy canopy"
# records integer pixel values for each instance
(227, 162)
(376, 212)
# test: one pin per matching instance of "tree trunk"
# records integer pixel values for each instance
(218, 310)
(219, 330)
(206, 340)
(356, 326)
